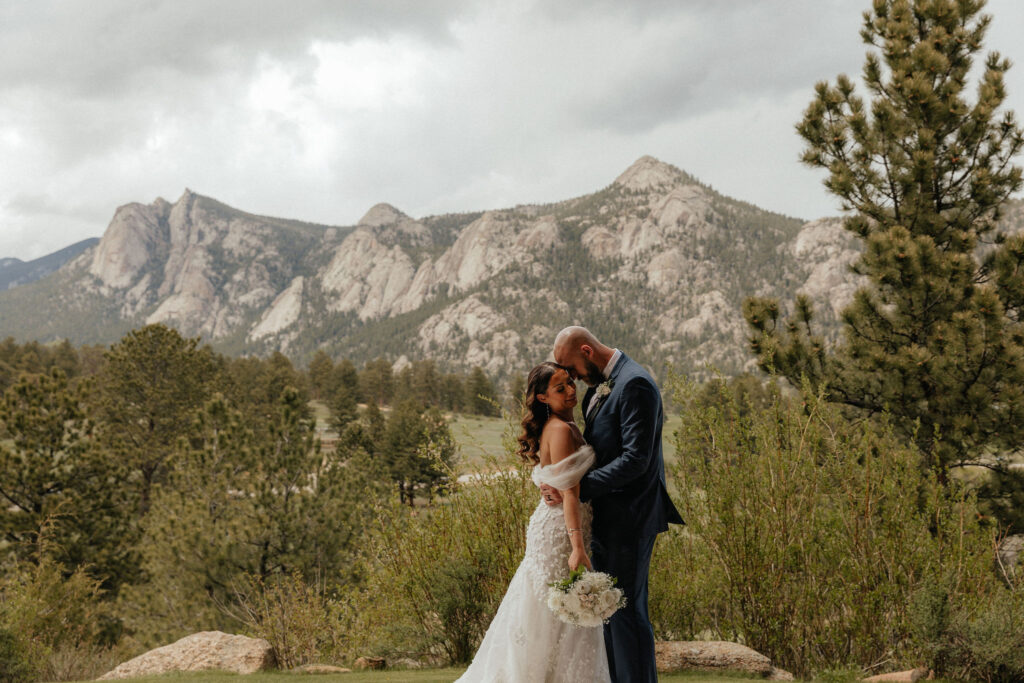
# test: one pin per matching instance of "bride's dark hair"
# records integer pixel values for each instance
(535, 413)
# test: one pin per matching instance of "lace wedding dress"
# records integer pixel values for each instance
(526, 642)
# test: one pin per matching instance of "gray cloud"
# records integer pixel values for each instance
(719, 55)
(108, 46)
(319, 109)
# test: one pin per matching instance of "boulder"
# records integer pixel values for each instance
(1009, 553)
(320, 669)
(406, 663)
(714, 655)
(200, 652)
(911, 676)
(370, 663)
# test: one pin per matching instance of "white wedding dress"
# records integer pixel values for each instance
(526, 642)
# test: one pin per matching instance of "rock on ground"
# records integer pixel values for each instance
(200, 652)
(714, 655)
(910, 676)
(370, 663)
(320, 669)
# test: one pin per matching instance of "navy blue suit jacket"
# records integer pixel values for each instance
(626, 488)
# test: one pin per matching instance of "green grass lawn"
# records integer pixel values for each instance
(413, 676)
(479, 437)
(321, 413)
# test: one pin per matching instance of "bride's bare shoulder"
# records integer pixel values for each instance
(555, 426)
(558, 440)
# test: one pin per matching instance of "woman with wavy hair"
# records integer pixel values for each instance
(526, 641)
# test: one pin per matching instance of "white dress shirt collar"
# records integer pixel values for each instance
(611, 364)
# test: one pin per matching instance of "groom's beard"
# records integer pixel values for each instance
(594, 375)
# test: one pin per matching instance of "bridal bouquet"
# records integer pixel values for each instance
(585, 598)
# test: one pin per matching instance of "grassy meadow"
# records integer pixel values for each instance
(481, 437)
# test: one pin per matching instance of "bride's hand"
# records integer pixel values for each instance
(578, 557)
(550, 495)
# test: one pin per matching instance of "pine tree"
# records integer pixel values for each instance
(516, 393)
(52, 473)
(321, 371)
(153, 384)
(418, 449)
(933, 336)
(377, 382)
(375, 422)
(452, 393)
(344, 410)
(425, 383)
(402, 437)
(481, 398)
(236, 506)
(343, 396)
(436, 454)
(346, 375)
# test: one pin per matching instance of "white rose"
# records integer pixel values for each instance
(609, 603)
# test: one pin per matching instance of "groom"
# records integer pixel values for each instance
(626, 488)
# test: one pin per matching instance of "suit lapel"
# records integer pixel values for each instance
(623, 359)
(597, 408)
(586, 402)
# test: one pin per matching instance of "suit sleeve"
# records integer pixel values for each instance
(638, 412)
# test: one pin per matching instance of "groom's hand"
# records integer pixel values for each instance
(550, 495)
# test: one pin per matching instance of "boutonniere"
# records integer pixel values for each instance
(603, 389)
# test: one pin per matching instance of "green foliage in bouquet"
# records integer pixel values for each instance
(565, 585)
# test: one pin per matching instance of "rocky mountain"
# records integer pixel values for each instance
(15, 272)
(656, 263)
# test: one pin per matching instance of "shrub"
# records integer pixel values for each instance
(299, 618)
(16, 663)
(991, 643)
(56, 623)
(436, 575)
(686, 596)
(985, 643)
(812, 532)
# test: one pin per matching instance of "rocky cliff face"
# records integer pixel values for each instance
(656, 263)
(200, 266)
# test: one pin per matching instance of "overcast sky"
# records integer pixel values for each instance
(319, 109)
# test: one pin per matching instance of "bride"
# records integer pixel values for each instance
(526, 642)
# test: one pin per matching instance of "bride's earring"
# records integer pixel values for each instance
(549, 410)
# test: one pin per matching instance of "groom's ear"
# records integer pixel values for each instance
(587, 351)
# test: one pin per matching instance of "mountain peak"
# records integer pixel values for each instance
(380, 215)
(648, 172)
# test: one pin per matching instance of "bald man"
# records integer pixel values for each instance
(626, 488)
